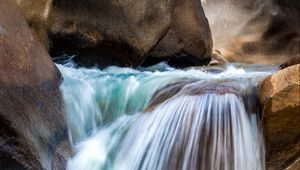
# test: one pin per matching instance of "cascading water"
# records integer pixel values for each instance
(125, 119)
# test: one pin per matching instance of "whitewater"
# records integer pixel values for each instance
(162, 118)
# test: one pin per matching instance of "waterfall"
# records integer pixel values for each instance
(162, 118)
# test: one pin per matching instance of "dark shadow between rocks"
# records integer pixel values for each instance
(178, 61)
(88, 55)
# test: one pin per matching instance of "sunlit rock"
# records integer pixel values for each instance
(280, 98)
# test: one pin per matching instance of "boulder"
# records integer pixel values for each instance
(217, 59)
(121, 32)
(32, 124)
(290, 62)
(280, 98)
(192, 88)
(255, 31)
(188, 40)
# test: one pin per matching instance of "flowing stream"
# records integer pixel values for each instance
(161, 118)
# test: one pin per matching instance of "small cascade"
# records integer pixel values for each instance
(164, 118)
(207, 131)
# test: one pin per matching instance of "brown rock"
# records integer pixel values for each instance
(292, 61)
(166, 93)
(189, 36)
(118, 30)
(280, 98)
(31, 111)
(255, 31)
(192, 87)
(121, 32)
(295, 165)
(217, 59)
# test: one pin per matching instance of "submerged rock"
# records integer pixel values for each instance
(198, 125)
(122, 32)
(193, 88)
(166, 93)
(280, 97)
(32, 124)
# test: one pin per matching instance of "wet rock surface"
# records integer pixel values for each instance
(193, 88)
(33, 132)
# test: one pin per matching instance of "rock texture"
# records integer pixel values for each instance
(255, 31)
(292, 61)
(217, 59)
(280, 98)
(121, 32)
(192, 87)
(32, 124)
(189, 37)
(295, 165)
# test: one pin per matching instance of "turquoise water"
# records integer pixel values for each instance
(110, 126)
